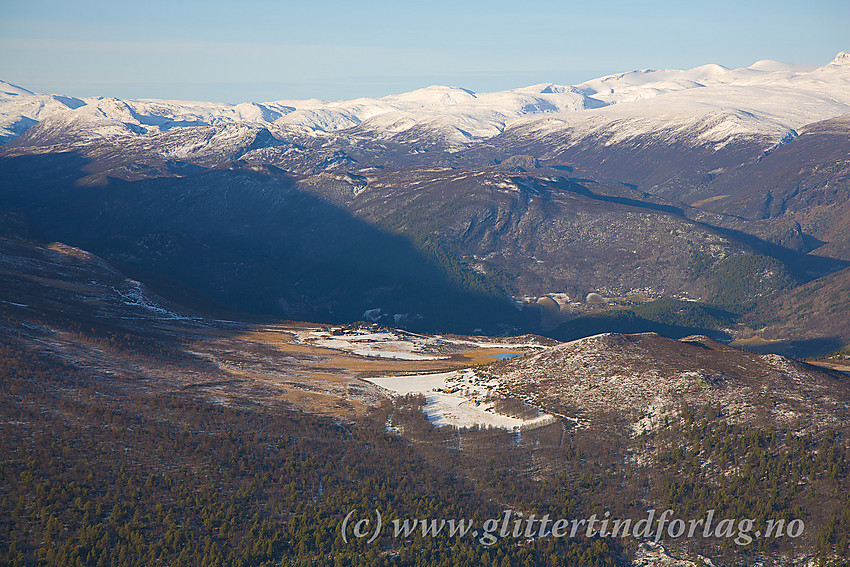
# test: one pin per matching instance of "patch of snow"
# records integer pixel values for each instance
(383, 353)
(133, 293)
(384, 344)
(651, 554)
(457, 398)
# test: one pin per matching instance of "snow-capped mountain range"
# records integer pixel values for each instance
(768, 99)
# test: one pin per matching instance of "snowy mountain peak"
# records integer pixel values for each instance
(556, 89)
(436, 95)
(771, 66)
(8, 89)
(841, 60)
(711, 68)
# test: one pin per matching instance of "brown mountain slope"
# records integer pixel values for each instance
(806, 180)
(814, 317)
(645, 377)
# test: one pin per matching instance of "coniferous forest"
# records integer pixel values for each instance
(98, 473)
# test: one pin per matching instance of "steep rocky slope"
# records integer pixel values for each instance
(806, 181)
(810, 319)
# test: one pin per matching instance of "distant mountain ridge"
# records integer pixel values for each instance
(473, 116)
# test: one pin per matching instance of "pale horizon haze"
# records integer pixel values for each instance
(263, 50)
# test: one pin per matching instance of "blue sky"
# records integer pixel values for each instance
(270, 50)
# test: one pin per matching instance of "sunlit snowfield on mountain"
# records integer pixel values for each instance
(768, 98)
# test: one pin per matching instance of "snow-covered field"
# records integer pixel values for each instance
(457, 398)
(384, 344)
(401, 345)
